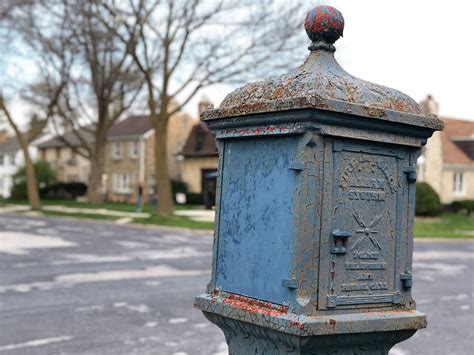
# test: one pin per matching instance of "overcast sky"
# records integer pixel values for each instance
(417, 47)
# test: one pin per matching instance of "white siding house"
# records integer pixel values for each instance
(11, 158)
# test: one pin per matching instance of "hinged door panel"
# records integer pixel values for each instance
(256, 220)
(361, 261)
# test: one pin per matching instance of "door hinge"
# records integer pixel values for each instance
(407, 280)
(331, 301)
(411, 173)
(396, 299)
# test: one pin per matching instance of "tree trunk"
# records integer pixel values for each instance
(94, 189)
(163, 183)
(31, 182)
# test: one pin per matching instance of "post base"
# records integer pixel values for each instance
(244, 338)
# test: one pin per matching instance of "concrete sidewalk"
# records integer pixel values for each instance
(99, 211)
(123, 217)
(198, 215)
(14, 208)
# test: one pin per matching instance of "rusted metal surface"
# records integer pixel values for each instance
(324, 24)
(277, 317)
(315, 208)
(321, 77)
(353, 110)
(321, 83)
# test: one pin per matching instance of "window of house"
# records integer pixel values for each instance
(134, 149)
(12, 159)
(122, 182)
(117, 150)
(2, 159)
(200, 136)
(458, 183)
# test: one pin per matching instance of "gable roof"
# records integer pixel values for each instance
(200, 142)
(458, 141)
(68, 139)
(130, 127)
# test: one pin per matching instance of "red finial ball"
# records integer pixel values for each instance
(324, 23)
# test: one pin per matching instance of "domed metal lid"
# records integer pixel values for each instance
(320, 83)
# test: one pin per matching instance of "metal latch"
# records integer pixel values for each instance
(411, 173)
(296, 165)
(289, 283)
(407, 280)
(340, 241)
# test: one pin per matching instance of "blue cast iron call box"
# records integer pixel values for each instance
(315, 208)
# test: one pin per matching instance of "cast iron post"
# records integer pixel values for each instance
(315, 208)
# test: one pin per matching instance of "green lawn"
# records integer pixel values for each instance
(80, 215)
(174, 221)
(448, 225)
(113, 206)
(171, 221)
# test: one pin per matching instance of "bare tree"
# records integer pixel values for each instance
(181, 47)
(37, 124)
(102, 85)
(44, 94)
(109, 80)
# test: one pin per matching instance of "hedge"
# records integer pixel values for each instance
(427, 201)
(45, 176)
(64, 191)
(464, 206)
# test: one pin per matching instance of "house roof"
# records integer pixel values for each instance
(129, 127)
(69, 139)
(9, 145)
(458, 141)
(200, 142)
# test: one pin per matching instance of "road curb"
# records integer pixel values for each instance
(138, 225)
(443, 240)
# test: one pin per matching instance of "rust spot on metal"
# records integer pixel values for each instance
(375, 112)
(296, 324)
(255, 306)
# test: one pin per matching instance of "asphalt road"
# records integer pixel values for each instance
(77, 287)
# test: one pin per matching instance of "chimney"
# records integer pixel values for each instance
(204, 104)
(429, 105)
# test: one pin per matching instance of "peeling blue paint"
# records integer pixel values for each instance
(258, 197)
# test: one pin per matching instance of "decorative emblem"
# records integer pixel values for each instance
(367, 230)
(357, 166)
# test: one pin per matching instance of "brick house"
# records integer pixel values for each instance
(199, 163)
(447, 162)
(129, 157)
(62, 154)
